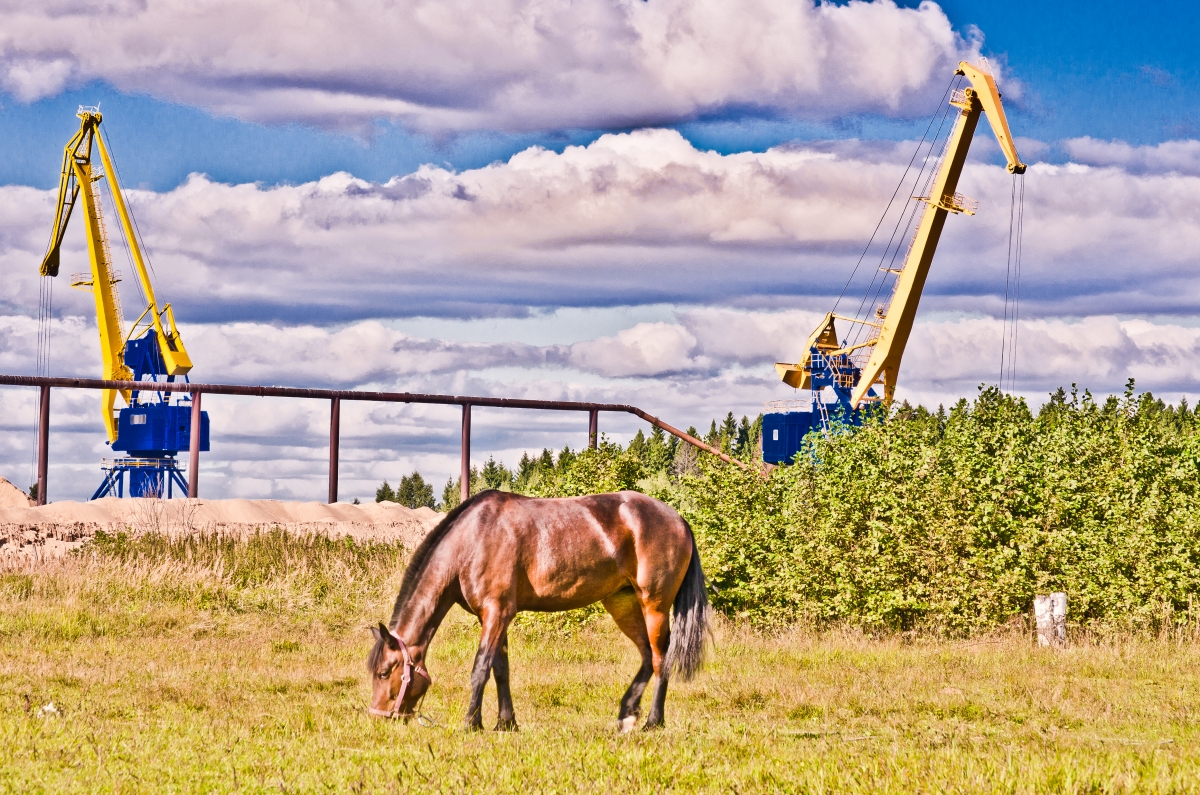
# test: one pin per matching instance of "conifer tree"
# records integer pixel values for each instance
(414, 492)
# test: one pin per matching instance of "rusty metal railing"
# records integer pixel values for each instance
(335, 397)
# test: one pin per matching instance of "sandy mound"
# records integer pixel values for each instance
(51, 530)
(12, 497)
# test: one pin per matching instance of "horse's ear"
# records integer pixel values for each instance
(375, 634)
(388, 637)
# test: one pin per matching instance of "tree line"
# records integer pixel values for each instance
(655, 453)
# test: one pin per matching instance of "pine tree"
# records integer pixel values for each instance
(729, 428)
(743, 436)
(658, 452)
(637, 446)
(451, 495)
(384, 493)
(414, 492)
(526, 468)
(496, 475)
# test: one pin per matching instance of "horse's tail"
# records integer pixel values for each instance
(690, 623)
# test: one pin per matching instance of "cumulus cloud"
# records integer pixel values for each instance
(467, 64)
(1179, 157)
(947, 355)
(630, 219)
(705, 362)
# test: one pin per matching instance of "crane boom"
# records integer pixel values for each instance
(890, 334)
(838, 378)
(78, 179)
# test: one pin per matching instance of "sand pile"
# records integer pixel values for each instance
(12, 497)
(51, 530)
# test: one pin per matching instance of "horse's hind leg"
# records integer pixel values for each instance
(625, 609)
(507, 720)
(659, 630)
(495, 623)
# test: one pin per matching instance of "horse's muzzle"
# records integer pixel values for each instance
(389, 713)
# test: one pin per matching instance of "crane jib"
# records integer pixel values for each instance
(148, 427)
(852, 374)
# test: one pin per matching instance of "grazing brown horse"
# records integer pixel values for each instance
(499, 553)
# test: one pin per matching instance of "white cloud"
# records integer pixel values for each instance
(701, 344)
(467, 64)
(1181, 157)
(708, 362)
(630, 219)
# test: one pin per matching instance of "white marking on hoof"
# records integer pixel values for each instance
(627, 724)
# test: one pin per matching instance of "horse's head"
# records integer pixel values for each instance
(398, 681)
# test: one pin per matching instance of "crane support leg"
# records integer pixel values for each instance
(465, 466)
(335, 433)
(194, 449)
(43, 444)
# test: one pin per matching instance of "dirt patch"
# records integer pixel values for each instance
(36, 533)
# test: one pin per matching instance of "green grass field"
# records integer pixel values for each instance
(223, 666)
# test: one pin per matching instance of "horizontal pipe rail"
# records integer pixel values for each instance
(349, 394)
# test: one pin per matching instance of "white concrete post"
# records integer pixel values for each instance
(1050, 612)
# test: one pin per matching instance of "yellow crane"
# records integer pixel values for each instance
(152, 347)
(826, 362)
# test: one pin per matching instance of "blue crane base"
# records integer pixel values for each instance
(826, 404)
(151, 431)
(148, 477)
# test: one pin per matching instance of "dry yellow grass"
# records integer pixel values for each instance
(240, 669)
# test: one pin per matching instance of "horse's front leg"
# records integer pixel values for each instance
(495, 623)
(507, 719)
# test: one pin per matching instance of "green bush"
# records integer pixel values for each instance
(946, 521)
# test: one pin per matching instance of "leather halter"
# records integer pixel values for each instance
(405, 681)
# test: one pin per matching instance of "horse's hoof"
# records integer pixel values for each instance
(509, 725)
(652, 726)
(627, 724)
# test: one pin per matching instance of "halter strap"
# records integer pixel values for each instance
(405, 681)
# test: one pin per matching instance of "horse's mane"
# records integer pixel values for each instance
(424, 551)
(416, 567)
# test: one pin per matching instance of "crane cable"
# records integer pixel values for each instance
(42, 360)
(896, 192)
(1012, 286)
(907, 215)
(907, 219)
(136, 230)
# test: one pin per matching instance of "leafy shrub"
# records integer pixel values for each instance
(949, 521)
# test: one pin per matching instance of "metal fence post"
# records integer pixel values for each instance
(43, 444)
(465, 467)
(335, 432)
(194, 449)
(593, 427)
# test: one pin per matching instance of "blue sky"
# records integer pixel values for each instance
(533, 208)
(1098, 69)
